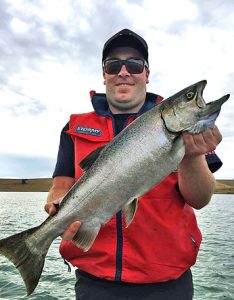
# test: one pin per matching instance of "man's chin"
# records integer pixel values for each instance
(123, 105)
(123, 97)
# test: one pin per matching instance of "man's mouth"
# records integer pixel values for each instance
(124, 84)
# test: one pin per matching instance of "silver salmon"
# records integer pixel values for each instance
(115, 176)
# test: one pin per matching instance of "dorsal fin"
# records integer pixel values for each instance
(87, 162)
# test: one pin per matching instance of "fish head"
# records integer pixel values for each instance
(187, 110)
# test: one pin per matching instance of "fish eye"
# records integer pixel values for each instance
(190, 95)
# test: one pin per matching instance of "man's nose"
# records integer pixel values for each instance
(123, 71)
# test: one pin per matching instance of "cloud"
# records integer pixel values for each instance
(50, 57)
(21, 104)
(215, 13)
(33, 31)
(35, 38)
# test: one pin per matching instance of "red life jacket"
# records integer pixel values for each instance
(162, 241)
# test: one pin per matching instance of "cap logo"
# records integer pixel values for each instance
(88, 130)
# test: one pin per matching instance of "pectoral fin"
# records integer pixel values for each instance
(86, 236)
(129, 211)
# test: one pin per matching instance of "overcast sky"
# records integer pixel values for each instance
(50, 58)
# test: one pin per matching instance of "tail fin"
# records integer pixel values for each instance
(29, 263)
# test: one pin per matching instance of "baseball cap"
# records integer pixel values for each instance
(126, 38)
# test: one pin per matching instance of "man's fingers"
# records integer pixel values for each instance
(71, 231)
(201, 143)
(217, 135)
(190, 145)
(51, 207)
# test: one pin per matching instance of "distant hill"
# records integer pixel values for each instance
(224, 186)
(25, 185)
(44, 184)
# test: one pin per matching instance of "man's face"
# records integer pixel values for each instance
(125, 92)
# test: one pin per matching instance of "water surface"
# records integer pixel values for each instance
(213, 273)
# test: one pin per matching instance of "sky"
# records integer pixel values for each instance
(50, 58)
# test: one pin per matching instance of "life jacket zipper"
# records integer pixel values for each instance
(119, 231)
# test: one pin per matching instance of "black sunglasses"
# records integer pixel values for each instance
(133, 65)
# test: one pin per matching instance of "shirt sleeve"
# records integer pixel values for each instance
(213, 161)
(65, 158)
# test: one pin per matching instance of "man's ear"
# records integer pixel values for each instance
(104, 77)
(147, 75)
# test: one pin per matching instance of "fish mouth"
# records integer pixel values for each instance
(208, 115)
(201, 85)
(213, 107)
(207, 109)
(210, 107)
(200, 88)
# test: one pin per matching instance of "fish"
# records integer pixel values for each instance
(115, 177)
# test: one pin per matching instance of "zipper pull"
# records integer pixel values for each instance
(194, 242)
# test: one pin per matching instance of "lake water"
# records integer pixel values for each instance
(213, 273)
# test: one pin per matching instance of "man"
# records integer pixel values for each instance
(151, 259)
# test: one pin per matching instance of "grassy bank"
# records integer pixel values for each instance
(25, 185)
(224, 186)
(43, 185)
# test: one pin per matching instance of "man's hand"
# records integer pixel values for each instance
(196, 182)
(60, 187)
(201, 143)
(69, 233)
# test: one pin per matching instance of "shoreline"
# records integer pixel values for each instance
(223, 186)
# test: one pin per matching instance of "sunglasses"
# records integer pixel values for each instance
(133, 65)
